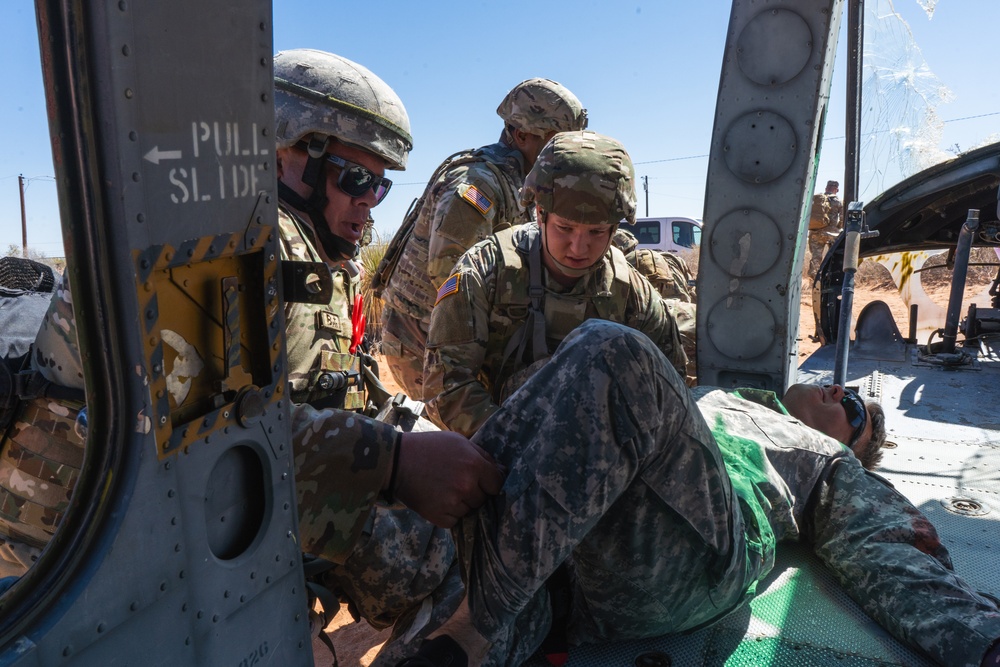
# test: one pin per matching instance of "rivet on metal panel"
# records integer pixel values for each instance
(126, 50)
(140, 218)
(129, 93)
(133, 136)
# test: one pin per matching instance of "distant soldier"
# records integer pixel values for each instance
(821, 233)
(670, 275)
(471, 195)
(836, 206)
(513, 297)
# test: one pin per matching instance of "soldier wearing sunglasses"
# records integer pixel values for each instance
(339, 127)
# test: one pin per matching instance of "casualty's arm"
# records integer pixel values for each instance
(888, 557)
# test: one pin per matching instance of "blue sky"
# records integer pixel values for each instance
(647, 71)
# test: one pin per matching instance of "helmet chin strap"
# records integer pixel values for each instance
(566, 270)
(314, 175)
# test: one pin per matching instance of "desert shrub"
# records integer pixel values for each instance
(370, 257)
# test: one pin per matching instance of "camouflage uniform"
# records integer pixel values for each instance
(474, 196)
(319, 336)
(669, 516)
(42, 452)
(671, 277)
(824, 228)
(471, 195)
(469, 368)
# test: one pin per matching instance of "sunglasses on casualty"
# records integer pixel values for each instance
(355, 180)
(857, 415)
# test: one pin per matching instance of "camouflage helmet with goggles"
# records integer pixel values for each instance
(541, 106)
(583, 177)
(321, 93)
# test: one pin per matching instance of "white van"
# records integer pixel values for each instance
(667, 234)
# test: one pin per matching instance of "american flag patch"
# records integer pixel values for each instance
(477, 199)
(450, 286)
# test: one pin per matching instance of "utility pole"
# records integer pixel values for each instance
(645, 186)
(24, 219)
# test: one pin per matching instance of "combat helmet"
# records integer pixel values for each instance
(624, 240)
(321, 93)
(541, 106)
(584, 177)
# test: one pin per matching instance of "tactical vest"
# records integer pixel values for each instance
(401, 279)
(42, 434)
(40, 461)
(530, 321)
(319, 335)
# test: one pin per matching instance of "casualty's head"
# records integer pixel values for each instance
(583, 184)
(534, 110)
(339, 127)
(841, 414)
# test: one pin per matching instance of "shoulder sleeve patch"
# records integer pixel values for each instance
(472, 194)
(449, 287)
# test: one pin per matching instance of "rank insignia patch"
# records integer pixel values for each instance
(449, 287)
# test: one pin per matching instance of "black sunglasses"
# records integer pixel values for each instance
(857, 415)
(355, 180)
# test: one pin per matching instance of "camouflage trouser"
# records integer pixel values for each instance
(818, 244)
(612, 469)
(402, 573)
(403, 341)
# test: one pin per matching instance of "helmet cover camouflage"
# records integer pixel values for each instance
(584, 177)
(322, 93)
(541, 106)
(624, 240)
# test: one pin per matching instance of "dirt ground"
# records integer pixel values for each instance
(358, 643)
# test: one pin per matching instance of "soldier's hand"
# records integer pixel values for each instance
(443, 476)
